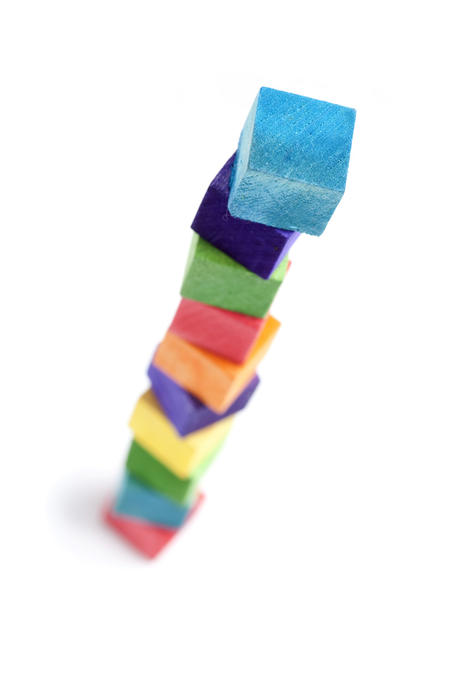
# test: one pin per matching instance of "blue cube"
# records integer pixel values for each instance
(292, 161)
(136, 500)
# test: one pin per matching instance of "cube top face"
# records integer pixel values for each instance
(292, 161)
(299, 138)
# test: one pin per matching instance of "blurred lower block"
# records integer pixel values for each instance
(226, 333)
(151, 472)
(136, 500)
(185, 411)
(212, 379)
(148, 539)
(155, 433)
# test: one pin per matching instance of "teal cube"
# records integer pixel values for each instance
(137, 500)
(292, 162)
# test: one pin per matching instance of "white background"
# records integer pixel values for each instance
(329, 559)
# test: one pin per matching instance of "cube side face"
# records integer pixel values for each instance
(259, 248)
(264, 341)
(291, 172)
(178, 405)
(191, 254)
(241, 162)
(154, 474)
(194, 370)
(202, 279)
(136, 500)
(215, 279)
(230, 335)
(268, 198)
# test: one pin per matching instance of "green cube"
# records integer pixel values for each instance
(214, 278)
(156, 475)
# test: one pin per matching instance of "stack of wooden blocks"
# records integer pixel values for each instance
(288, 175)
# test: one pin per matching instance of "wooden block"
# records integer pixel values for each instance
(225, 333)
(184, 410)
(154, 432)
(148, 539)
(214, 278)
(259, 248)
(150, 471)
(292, 161)
(136, 500)
(215, 381)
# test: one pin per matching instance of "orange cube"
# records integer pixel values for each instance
(213, 379)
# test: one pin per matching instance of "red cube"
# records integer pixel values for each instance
(146, 537)
(225, 333)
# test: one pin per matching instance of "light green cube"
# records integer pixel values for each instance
(214, 278)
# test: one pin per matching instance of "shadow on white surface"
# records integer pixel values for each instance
(77, 514)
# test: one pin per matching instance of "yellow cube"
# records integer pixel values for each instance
(153, 431)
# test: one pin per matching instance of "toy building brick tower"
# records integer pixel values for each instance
(287, 177)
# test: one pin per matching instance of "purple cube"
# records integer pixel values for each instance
(258, 247)
(184, 410)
